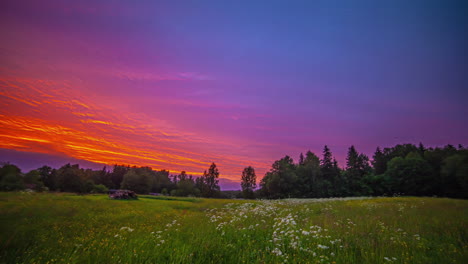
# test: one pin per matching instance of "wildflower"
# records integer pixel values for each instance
(322, 246)
(277, 252)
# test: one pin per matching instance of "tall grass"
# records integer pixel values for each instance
(67, 228)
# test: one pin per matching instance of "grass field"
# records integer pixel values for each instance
(67, 228)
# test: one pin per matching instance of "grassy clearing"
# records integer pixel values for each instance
(67, 228)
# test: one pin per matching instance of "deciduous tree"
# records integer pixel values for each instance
(248, 182)
(210, 187)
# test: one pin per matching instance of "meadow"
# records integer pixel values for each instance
(69, 228)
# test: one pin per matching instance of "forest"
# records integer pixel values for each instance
(405, 169)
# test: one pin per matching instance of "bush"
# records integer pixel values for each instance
(99, 188)
(11, 182)
(11, 178)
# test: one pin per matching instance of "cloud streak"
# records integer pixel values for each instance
(101, 133)
(148, 76)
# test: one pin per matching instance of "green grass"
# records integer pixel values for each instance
(68, 228)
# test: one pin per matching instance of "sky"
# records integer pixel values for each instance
(178, 85)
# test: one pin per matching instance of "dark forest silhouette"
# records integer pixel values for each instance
(404, 169)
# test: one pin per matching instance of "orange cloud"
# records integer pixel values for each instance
(49, 116)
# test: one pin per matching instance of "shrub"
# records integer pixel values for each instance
(99, 188)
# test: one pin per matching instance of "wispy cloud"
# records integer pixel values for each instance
(64, 121)
(149, 76)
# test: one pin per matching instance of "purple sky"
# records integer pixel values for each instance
(180, 84)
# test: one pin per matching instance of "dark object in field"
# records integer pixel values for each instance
(123, 194)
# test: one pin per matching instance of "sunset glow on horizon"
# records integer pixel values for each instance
(177, 85)
(104, 134)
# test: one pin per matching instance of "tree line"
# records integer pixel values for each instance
(404, 169)
(143, 180)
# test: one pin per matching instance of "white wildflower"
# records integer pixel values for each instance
(322, 246)
(277, 252)
(127, 228)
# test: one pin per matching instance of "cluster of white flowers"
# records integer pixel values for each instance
(237, 213)
(399, 230)
(401, 208)
(288, 234)
(390, 259)
(159, 235)
(127, 228)
(371, 206)
(336, 241)
(173, 223)
(322, 246)
(277, 252)
(285, 232)
(328, 209)
(382, 226)
(324, 200)
(350, 223)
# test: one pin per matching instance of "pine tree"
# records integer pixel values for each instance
(352, 159)
(329, 174)
(338, 183)
(379, 162)
(421, 149)
(301, 159)
(357, 165)
(326, 162)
